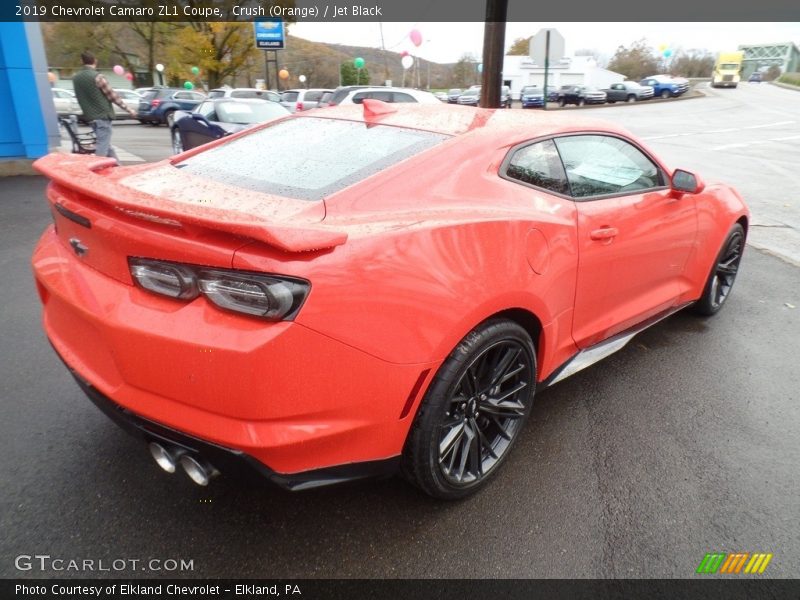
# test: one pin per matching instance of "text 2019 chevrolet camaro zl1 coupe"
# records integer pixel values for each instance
(386, 291)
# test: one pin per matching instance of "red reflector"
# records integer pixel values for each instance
(414, 393)
(155, 103)
(299, 106)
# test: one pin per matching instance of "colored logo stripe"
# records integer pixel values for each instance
(721, 562)
(758, 563)
(711, 563)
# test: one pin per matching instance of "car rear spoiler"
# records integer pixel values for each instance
(82, 174)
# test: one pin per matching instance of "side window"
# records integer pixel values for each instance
(401, 97)
(597, 165)
(539, 165)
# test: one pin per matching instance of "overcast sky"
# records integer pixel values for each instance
(447, 42)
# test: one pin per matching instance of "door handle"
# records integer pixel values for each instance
(604, 233)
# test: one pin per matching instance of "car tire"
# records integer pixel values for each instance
(473, 412)
(631, 98)
(177, 144)
(723, 273)
(562, 102)
(665, 94)
(581, 101)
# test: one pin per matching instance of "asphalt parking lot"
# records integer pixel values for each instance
(683, 443)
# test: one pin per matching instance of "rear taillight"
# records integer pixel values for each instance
(299, 106)
(155, 103)
(272, 297)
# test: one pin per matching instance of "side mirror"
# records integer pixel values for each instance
(684, 181)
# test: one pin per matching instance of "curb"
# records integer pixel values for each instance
(786, 86)
(14, 167)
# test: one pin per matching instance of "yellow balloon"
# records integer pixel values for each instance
(283, 74)
(662, 47)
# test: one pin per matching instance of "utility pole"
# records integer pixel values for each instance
(494, 36)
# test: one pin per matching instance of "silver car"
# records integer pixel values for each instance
(130, 98)
(65, 102)
(302, 99)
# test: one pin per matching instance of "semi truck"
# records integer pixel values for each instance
(728, 69)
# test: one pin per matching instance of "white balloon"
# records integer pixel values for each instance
(159, 67)
(407, 61)
(302, 78)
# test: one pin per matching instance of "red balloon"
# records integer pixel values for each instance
(404, 53)
(129, 76)
(416, 37)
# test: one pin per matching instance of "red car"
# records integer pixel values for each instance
(387, 291)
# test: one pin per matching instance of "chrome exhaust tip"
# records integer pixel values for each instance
(198, 470)
(166, 459)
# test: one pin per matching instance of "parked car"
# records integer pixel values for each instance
(131, 99)
(324, 297)
(158, 105)
(387, 94)
(453, 94)
(302, 99)
(666, 86)
(627, 91)
(471, 97)
(65, 102)
(441, 96)
(580, 95)
(755, 77)
(339, 94)
(231, 92)
(531, 96)
(213, 119)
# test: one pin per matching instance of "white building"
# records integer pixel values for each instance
(519, 71)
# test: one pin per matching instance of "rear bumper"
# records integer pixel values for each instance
(228, 460)
(286, 396)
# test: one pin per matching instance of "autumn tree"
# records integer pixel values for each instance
(772, 73)
(465, 71)
(692, 63)
(219, 49)
(635, 62)
(519, 47)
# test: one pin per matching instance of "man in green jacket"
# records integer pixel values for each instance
(95, 96)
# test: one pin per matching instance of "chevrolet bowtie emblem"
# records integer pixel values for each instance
(78, 247)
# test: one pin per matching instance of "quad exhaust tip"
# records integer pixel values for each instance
(199, 471)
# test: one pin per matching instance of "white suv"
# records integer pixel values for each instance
(389, 94)
(303, 99)
(229, 92)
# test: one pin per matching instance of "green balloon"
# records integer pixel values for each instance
(188, 85)
(195, 70)
(359, 63)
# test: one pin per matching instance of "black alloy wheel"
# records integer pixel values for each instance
(723, 274)
(473, 411)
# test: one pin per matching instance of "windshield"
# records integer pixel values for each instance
(309, 158)
(531, 89)
(729, 66)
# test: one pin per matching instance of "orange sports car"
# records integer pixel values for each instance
(358, 290)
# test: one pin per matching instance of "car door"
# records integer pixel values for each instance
(196, 132)
(634, 235)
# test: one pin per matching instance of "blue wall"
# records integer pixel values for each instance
(28, 122)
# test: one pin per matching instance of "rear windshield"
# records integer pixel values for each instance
(312, 96)
(289, 97)
(309, 158)
(216, 94)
